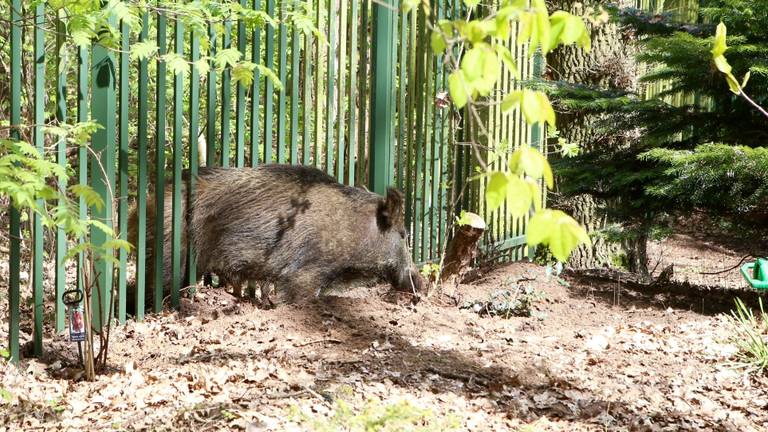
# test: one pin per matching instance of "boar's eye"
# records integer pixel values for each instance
(402, 234)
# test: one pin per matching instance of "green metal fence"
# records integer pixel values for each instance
(367, 105)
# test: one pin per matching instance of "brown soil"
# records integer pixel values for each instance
(595, 356)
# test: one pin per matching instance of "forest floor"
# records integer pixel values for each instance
(594, 356)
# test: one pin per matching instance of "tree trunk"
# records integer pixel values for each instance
(461, 250)
(610, 64)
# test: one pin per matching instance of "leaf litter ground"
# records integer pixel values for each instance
(594, 356)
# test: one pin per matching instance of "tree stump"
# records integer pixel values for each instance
(461, 250)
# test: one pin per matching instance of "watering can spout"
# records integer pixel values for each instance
(756, 273)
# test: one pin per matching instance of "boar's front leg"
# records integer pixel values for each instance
(306, 284)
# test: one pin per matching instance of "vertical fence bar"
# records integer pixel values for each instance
(419, 142)
(402, 163)
(411, 130)
(141, 182)
(307, 102)
(364, 77)
(210, 102)
(354, 68)
(122, 211)
(281, 103)
(240, 104)
(102, 166)
(340, 144)
(269, 87)
(14, 264)
(194, 157)
(160, 121)
(295, 96)
(381, 96)
(437, 153)
(226, 95)
(83, 74)
(428, 144)
(178, 154)
(61, 159)
(330, 80)
(318, 91)
(39, 143)
(255, 87)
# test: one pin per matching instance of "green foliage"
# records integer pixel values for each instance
(475, 75)
(749, 333)
(86, 22)
(691, 144)
(557, 230)
(376, 416)
(430, 270)
(719, 177)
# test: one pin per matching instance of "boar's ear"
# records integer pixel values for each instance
(390, 210)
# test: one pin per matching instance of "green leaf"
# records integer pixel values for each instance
(531, 107)
(5, 394)
(92, 199)
(518, 196)
(471, 3)
(106, 229)
(722, 64)
(719, 46)
(511, 101)
(496, 190)
(457, 89)
(557, 230)
(745, 80)
(270, 74)
(115, 244)
(547, 112)
(176, 63)
(243, 73)
(202, 66)
(543, 30)
(733, 85)
(509, 61)
(533, 186)
(529, 161)
(437, 42)
(143, 50)
(474, 31)
(472, 64)
(227, 57)
(81, 38)
(481, 68)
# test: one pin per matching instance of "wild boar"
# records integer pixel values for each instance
(294, 226)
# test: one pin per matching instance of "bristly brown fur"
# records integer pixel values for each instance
(291, 225)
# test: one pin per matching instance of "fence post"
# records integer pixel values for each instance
(102, 167)
(382, 112)
(14, 259)
(538, 133)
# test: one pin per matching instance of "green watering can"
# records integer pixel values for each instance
(756, 273)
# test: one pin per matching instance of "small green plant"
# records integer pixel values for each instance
(430, 271)
(749, 333)
(5, 395)
(377, 416)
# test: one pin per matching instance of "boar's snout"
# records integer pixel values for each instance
(409, 280)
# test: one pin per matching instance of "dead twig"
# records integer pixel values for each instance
(331, 340)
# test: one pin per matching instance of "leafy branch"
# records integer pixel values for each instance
(476, 55)
(721, 63)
